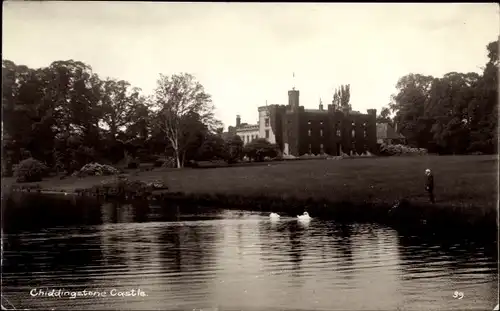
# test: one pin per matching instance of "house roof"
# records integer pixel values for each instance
(247, 127)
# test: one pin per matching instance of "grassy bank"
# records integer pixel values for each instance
(465, 186)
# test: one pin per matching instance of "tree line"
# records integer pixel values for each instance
(453, 114)
(66, 116)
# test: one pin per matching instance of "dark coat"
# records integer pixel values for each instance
(429, 183)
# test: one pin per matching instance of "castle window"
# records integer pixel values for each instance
(309, 132)
(309, 122)
(321, 122)
(267, 121)
(321, 132)
(338, 132)
(267, 134)
(310, 148)
(353, 132)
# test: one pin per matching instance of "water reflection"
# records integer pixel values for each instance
(344, 241)
(440, 268)
(187, 257)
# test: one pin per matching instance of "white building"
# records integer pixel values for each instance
(248, 132)
(262, 129)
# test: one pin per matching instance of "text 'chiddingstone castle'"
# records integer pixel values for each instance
(298, 131)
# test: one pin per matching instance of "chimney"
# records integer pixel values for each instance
(320, 105)
(238, 121)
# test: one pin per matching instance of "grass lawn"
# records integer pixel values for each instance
(460, 181)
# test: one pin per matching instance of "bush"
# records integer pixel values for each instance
(121, 186)
(259, 149)
(96, 169)
(392, 150)
(30, 170)
(169, 162)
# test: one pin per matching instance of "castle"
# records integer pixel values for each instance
(298, 131)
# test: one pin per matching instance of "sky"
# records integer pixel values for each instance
(245, 54)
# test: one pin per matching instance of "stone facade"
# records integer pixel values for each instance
(298, 131)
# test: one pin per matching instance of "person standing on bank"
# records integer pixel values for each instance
(429, 184)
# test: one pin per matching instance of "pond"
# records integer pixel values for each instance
(68, 253)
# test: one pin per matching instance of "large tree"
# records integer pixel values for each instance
(118, 101)
(456, 113)
(176, 98)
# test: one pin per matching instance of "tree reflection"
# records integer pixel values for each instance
(34, 212)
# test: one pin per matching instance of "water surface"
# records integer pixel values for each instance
(182, 259)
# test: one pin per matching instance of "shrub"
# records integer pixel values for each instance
(121, 186)
(30, 170)
(169, 162)
(259, 149)
(391, 150)
(96, 169)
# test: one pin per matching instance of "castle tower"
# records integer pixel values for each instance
(293, 99)
(238, 121)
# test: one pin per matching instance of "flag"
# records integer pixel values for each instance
(294, 74)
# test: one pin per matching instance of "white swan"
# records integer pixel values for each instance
(274, 216)
(304, 217)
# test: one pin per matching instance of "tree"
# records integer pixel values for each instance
(342, 97)
(484, 125)
(72, 93)
(212, 148)
(259, 149)
(456, 113)
(409, 104)
(176, 97)
(384, 116)
(118, 101)
(233, 149)
(194, 134)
